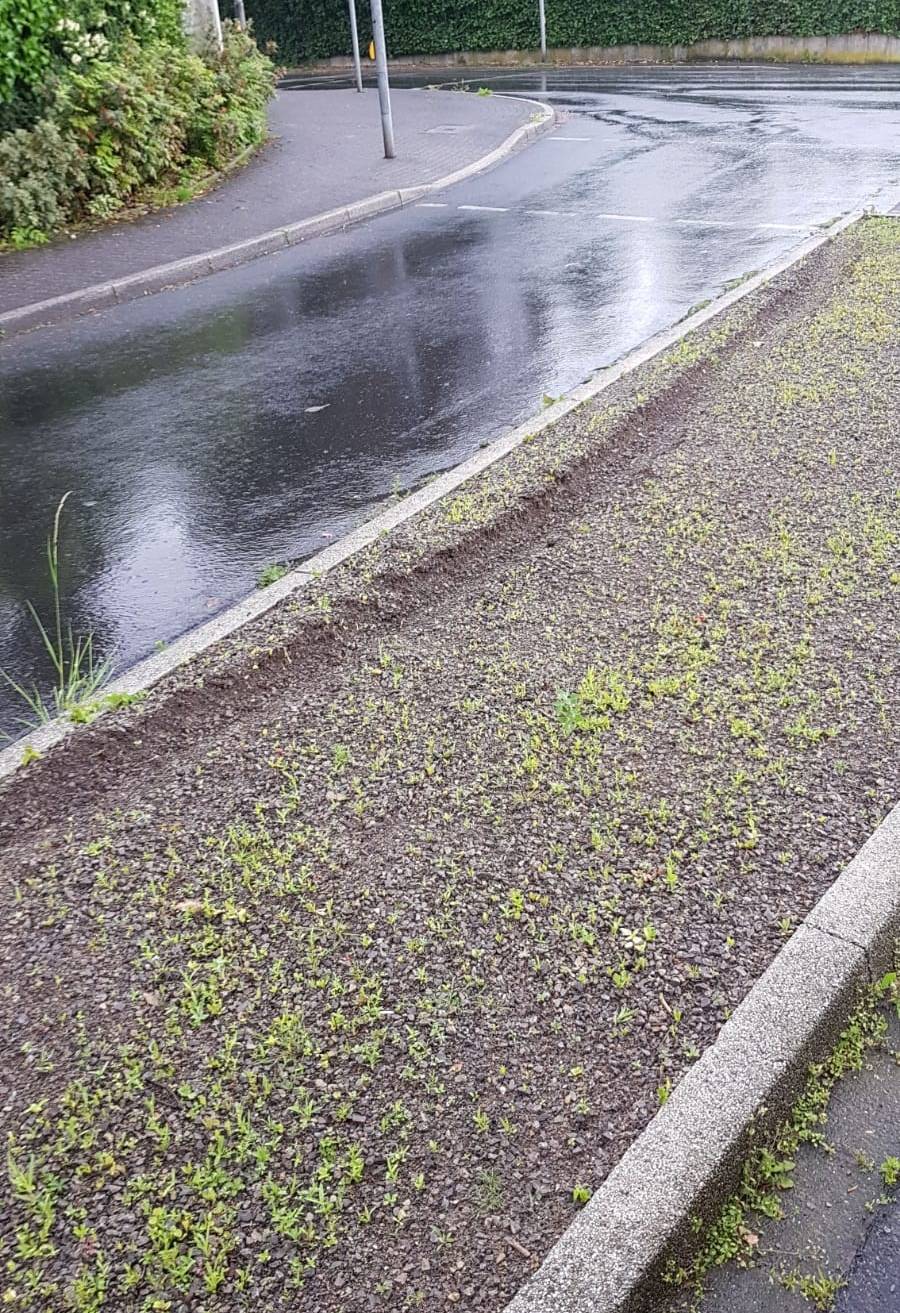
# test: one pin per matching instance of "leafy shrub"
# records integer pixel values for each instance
(39, 38)
(231, 116)
(130, 119)
(122, 124)
(41, 171)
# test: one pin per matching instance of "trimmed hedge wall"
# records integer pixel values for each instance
(314, 29)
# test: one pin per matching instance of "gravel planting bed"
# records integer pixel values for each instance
(339, 973)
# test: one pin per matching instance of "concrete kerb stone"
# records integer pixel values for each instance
(383, 203)
(77, 303)
(57, 309)
(265, 244)
(863, 906)
(329, 222)
(154, 280)
(148, 672)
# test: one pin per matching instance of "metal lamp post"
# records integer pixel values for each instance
(354, 36)
(384, 89)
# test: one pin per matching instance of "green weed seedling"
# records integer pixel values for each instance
(270, 574)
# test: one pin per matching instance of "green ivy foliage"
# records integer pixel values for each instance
(312, 29)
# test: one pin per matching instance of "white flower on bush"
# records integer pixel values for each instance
(80, 46)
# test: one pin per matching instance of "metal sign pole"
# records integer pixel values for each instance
(354, 35)
(543, 21)
(384, 89)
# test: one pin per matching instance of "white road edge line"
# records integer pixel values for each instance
(486, 209)
(568, 138)
(432, 205)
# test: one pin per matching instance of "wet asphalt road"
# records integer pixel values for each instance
(874, 1282)
(254, 415)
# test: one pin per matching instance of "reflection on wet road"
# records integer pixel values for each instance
(254, 415)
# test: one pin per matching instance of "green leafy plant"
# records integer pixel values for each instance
(270, 574)
(817, 1288)
(890, 1171)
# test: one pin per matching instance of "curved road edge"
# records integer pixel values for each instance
(148, 672)
(162, 277)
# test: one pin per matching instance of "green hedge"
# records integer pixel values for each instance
(310, 29)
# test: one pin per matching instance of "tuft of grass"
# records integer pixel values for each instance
(79, 673)
(489, 1193)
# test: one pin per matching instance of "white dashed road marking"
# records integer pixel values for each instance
(746, 224)
(740, 223)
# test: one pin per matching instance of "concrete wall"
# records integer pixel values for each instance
(203, 24)
(854, 48)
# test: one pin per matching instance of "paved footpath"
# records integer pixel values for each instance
(326, 152)
(838, 1245)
